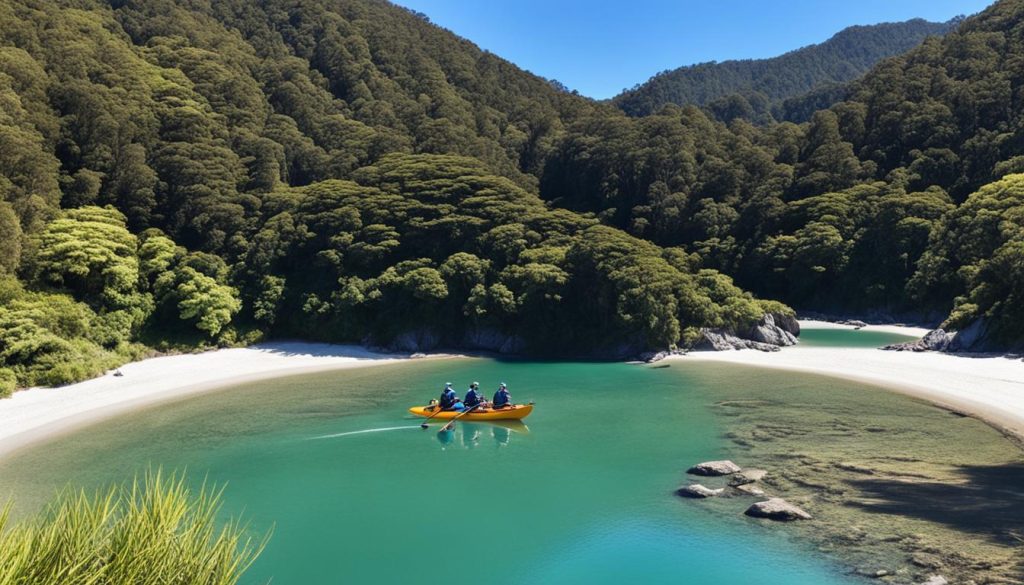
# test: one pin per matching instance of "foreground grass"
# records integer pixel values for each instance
(152, 531)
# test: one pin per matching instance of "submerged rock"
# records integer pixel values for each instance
(936, 580)
(749, 489)
(696, 490)
(926, 560)
(777, 509)
(747, 476)
(713, 468)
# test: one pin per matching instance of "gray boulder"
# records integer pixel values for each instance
(714, 468)
(721, 340)
(767, 331)
(936, 580)
(936, 340)
(747, 476)
(777, 509)
(696, 490)
(973, 338)
(787, 323)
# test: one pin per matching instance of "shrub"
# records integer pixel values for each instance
(8, 382)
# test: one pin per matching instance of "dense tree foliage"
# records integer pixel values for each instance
(755, 89)
(195, 173)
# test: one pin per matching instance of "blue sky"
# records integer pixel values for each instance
(599, 48)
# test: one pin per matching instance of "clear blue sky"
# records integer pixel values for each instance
(601, 47)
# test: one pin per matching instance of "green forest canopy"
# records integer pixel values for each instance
(344, 170)
(777, 88)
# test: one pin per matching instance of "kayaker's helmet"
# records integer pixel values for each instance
(447, 384)
(475, 385)
(502, 385)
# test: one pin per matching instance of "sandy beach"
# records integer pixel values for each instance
(989, 388)
(38, 413)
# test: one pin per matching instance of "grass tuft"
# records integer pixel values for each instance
(153, 530)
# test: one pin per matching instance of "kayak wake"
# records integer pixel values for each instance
(378, 430)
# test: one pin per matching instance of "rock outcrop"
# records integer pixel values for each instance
(972, 339)
(656, 356)
(772, 331)
(721, 340)
(936, 580)
(767, 330)
(777, 509)
(696, 490)
(714, 468)
(937, 340)
(489, 339)
(419, 340)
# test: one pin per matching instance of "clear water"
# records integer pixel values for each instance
(849, 338)
(581, 495)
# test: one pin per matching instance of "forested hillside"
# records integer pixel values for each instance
(757, 89)
(902, 197)
(178, 174)
(191, 173)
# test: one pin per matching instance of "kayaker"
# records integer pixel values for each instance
(502, 399)
(473, 397)
(448, 397)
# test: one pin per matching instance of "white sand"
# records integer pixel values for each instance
(39, 413)
(988, 388)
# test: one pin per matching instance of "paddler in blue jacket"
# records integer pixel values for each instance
(449, 399)
(473, 397)
(502, 398)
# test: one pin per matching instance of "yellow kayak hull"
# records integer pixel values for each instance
(517, 412)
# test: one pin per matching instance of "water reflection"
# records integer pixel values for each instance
(471, 433)
(501, 435)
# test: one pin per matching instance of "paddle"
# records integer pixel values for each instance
(461, 414)
(437, 412)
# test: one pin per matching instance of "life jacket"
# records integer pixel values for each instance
(447, 398)
(502, 397)
(472, 398)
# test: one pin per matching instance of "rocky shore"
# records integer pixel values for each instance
(894, 489)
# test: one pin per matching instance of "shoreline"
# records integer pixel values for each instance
(37, 414)
(988, 388)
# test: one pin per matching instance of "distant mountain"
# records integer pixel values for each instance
(730, 88)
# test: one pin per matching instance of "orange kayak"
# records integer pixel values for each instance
(516, 412)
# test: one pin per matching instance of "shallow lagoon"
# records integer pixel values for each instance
(583, 494)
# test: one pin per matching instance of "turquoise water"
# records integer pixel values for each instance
(849, 338)
(356, 492)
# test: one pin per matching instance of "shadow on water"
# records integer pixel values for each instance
(989, 502)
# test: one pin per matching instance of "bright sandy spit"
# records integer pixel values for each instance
(38, 413)
(990, 388)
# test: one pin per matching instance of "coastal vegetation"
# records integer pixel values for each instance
(153, 530)
(208, 174)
